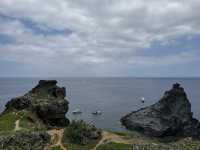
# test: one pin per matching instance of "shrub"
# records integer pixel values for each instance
(79, 132)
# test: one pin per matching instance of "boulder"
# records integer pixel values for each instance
(47, 100)
(170, 116)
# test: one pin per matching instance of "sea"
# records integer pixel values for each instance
(113, 96)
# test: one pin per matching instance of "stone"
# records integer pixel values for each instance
(53, 113)
(170, 116)
(47, 100)
(19, 103)
(49, 88)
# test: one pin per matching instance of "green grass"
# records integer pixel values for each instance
(56, 148)
(115, 146)
(7, 121)
(89, 146)
(30, 121)
(183, 145)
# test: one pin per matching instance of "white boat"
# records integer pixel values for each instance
(77, 111)
(142, 99)
(98, 112)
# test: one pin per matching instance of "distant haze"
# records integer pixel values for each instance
(140, 38)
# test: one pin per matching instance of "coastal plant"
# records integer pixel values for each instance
(79, 132)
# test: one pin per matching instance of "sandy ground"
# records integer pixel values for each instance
(111, 137)
(17, 127)
(57, 134)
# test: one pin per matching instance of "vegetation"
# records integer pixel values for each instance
(89, 146)
(56, 148)
(7, 121)
(115, 146)
(30, 121)
(139, 142)
(79, 132)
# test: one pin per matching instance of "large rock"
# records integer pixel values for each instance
(47, 100)
(168, 117)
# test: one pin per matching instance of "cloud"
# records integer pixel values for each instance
(95, 33)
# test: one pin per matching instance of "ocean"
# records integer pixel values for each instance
(115, 97)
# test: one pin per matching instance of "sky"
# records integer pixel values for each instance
(136, 38)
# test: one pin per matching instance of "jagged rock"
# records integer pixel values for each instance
(168, 117)
(47, 100)
(49, 88)
(53, 113)
(19, 103)
(24, 141)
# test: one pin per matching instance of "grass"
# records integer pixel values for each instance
(7, 121)
(30, 121)
(181, 145)
(56, 148)
(115, 146)
(89, 146)
(140, 142)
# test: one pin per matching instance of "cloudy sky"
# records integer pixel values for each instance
(137, 38)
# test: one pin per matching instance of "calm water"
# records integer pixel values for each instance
(113, 96)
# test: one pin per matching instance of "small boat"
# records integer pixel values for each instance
(98, 112)
(142, 99)
(77, 111)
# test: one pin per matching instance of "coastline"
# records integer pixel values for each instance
(22, 118)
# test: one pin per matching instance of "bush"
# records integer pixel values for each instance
(79, 132)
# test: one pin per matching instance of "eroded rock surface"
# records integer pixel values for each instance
(47, 100)
(170, 116)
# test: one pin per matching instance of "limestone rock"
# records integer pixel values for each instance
(19, 103)
(47, 100)
(170, 116)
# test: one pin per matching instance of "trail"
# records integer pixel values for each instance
(57, 134)
(111, 137)
(17, 127)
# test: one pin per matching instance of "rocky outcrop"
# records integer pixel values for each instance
(47, 100)
(24, 141)
(19, 103)
(48, 88)
(170, 116)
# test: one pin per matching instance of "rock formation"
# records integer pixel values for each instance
(170, 116)
(46, 100)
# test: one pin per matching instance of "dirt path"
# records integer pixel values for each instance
(57, 135)
(17, 127)
(111, 137)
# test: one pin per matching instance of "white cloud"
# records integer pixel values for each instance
(103, 32)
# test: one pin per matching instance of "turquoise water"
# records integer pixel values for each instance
(115, 97)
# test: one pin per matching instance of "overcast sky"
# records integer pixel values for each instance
(137, 38)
